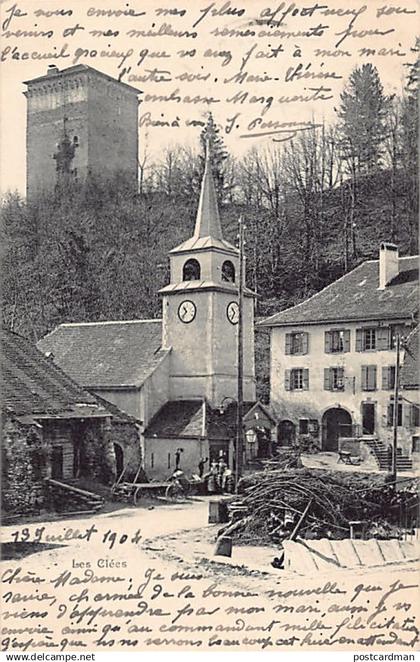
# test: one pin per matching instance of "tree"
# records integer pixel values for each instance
(221, 164)
(409, 140)
(362, 116)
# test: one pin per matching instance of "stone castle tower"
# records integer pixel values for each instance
(200, 311)
(80, 121)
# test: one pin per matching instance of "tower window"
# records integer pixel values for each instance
(191, 270)
(228, 271)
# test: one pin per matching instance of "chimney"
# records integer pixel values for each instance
(52, 69)
(388, 264)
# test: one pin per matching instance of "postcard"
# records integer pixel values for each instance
(210, 393)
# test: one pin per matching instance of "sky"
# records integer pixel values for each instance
(255, 66)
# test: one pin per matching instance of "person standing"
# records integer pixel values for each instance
(201, 466)
(222, 466)
(178, 457)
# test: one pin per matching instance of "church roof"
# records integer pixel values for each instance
(202, 243)
(184, 419)
(356, 296)
(191, 285)
(33, 386)
(208, 229)
(107, 354)
(207, 222)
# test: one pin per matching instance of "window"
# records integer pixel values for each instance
(368, 377)
(337, 340)
(191, 270)
(372, 338)
(391, 414)
(152, 460)
(334, 379)
(297, 343)
(308, 426)
(228, 271)
(369, 339)
(296, 379)
(313, 426)
(388, 377)
(303, 426)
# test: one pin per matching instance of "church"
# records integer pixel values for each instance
(179, 375)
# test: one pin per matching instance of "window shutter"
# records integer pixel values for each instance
(414, 415)
(288, 348)
(306, 379)
(382, 338)
(371, 377)
(327, 379)
(327, 342)
(287, 380)
(305, 343)
(407, 416)
(347, 340)
(364, 377)
(386, 378)
(359, 340)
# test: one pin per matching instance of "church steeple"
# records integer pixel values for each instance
(201, 313)
(207, 223)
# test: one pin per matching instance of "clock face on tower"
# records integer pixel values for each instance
(232, 312)
(187, 311)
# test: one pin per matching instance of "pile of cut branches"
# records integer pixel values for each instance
(272, 502)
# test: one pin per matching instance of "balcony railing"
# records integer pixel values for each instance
(349, 430)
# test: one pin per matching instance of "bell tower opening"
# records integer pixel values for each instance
(191, 270)
(228, 272)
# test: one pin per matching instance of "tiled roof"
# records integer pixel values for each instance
(410, 366)
(178, 418)
(355, 296)
(191, 285)
(33, 386)
(190, 418)
(202, 243)
(107, 354)
(118, 415)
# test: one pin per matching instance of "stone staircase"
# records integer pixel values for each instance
(68, 499)
(380, 453)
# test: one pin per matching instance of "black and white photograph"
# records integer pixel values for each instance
(210, 431)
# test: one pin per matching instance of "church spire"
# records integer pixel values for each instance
(207, 222)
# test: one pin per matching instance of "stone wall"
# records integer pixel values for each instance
(24, 467)
(127, 436)
(27, 456)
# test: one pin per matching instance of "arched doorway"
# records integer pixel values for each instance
(331, 421)
(286, 433)
(119, 459)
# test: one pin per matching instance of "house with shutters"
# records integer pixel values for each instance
(333, 356)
